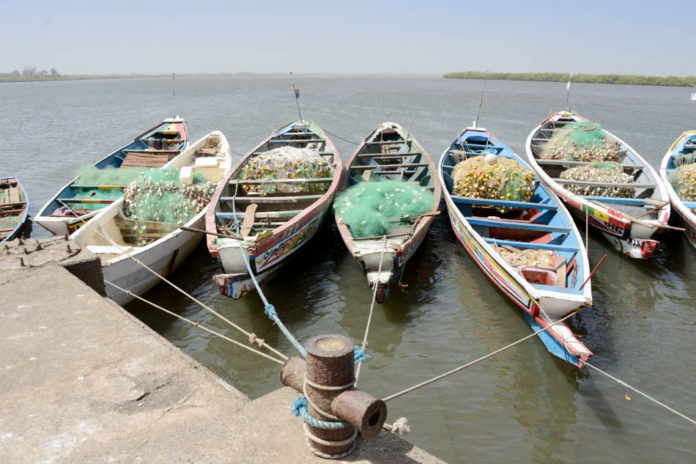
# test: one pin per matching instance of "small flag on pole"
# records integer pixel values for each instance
(693, 96)
(297, 91)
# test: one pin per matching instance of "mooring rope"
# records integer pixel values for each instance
(196, 324)
(269, 309)
(203, 305)
(342, 138)
(645, 395)
(372, 306)
(475, 361)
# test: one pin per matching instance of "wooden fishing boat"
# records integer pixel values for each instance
(390, 152)
(258, 224)
(628, 223)
(491, 237)
(110, 234)
(14, 207)
(685, 144)
(76, 203)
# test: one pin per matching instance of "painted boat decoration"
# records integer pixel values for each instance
(109, 234)
(545, 293)
(76, 203)
(685, 146)
(14, 208)
(390, 152)
(260, 223)
(628, 223)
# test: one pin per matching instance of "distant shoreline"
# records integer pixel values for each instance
(629, 79)
(14, 77)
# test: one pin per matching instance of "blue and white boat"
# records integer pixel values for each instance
(492, 238)
(682, 151)
(14, 207)
(76, 203)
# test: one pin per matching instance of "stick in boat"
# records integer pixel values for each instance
(570, 77)
(640, 221)
(68, 207)
(593, 271)
(190, 229)
(481, 102)
(657, 208)
(297, 95)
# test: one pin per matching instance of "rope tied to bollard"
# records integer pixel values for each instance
(269, 309)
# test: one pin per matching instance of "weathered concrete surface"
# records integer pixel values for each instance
(83, 381)
(82, 263)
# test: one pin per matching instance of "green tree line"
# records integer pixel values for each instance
(634, 79)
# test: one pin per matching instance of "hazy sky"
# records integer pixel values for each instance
(428, 37)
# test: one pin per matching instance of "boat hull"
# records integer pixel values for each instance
(235, 281)
(687, 216)
(164, 259)
(627, 235)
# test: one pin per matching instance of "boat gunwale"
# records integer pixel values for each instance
(584, 296)
(423, 224)
(134, 251)
(568, 196)
(24, 214)
(281, 232)
(677, 203)
(48, 219)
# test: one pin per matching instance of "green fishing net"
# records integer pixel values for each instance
(286, 163)
(493, 177)
(683, 179)
(107, 176)
(604, 172)
(371, 208)
(581, 141)
(156, 203)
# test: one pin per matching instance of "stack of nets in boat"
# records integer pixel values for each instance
(286, 163)
(371, 208)
(544, 259)
(581, 141)
(606, 173)
(493, 177)
(157, 203)
(211, 147)
(683, 178)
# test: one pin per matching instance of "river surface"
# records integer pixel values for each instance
(523, 405)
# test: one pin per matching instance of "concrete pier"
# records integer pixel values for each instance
(81, 380)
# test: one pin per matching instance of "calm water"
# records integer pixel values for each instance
(523, 405)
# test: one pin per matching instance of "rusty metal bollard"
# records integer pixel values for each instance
(326, 380)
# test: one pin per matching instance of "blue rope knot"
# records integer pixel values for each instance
(270, 312)
(359, 355)
(298, 405)
(299, 409)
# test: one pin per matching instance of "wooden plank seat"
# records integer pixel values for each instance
(11, 196)
(603, 184)
(385, 142)
(625, 201)
(380, 166)
(387, 155)
(86, 200)
(269, 199)
(533, 245)
(545, 162)
(259, 215)
(296, 140)
(234, 182)
(689, 204)
(476, 221)
(151, 160)
(502, 203)
(151, 150)
(248, 221)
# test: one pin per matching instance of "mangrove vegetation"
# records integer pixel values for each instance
(633, 79)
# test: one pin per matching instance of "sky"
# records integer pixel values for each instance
(353, 36)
